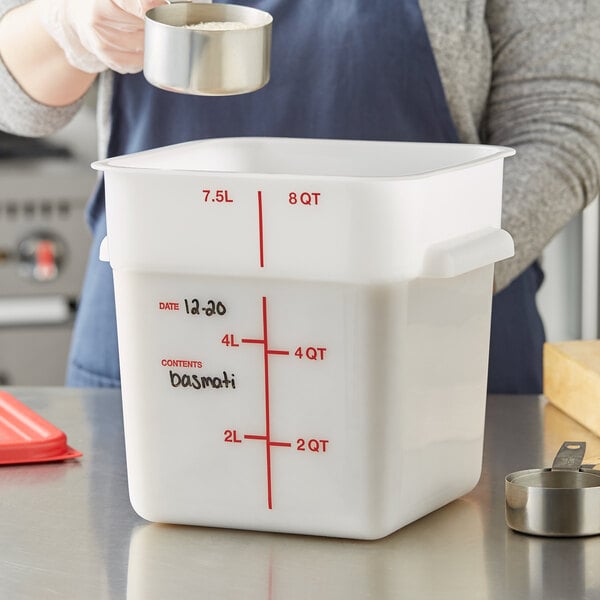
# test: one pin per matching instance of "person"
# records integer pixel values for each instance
(505, 72)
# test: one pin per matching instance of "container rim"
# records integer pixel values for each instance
(116, 163)
(521, 479)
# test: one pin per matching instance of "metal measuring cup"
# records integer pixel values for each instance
(563, 501)
(220, 62)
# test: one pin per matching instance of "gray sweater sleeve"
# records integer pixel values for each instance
(19, 113)
(545, 102)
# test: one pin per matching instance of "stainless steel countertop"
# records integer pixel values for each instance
(67, 530)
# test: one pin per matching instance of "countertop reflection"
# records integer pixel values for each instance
(68, 531)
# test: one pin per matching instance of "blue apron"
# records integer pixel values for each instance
(338, 71)
(517, 337)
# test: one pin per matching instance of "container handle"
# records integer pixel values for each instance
(103, 253)
(465, 253)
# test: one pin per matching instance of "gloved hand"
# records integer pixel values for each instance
(98, 34)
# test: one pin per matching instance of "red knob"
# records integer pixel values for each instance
(45, 268)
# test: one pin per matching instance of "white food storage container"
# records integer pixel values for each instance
(303, 328)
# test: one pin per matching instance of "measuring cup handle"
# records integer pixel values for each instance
(569, 457)
(466, 253)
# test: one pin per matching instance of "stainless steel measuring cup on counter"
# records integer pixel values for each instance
(561, 501)
(207, 49)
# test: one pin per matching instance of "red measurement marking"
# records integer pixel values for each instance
(260, 231)
(250, 436)
(264, 341)
(254, 341)
(267, 406)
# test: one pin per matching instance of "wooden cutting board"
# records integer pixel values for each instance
(572, 380)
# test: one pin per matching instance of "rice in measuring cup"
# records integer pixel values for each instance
(218, 26)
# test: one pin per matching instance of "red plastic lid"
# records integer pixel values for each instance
(25, 437)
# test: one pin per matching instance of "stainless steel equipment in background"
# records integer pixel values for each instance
(569, 299)
(44, 243)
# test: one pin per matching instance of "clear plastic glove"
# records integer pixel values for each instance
(98, 34)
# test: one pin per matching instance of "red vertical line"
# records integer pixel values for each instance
(267, 408)
(260, 231)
